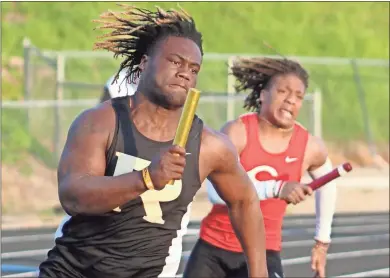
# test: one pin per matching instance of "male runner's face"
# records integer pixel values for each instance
(283, 100)
(173, 69)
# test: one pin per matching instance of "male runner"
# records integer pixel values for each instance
(271, 145)
(113, 175)
(121, 87)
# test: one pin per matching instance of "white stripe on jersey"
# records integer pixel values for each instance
(172, 261)
(58, 232)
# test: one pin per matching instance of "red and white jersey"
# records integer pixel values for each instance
(216, 228)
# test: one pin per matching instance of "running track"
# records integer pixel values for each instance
(360, 247)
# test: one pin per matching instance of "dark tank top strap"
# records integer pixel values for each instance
(110, 153)
(196, 137)
(126, 128)
(123, 139)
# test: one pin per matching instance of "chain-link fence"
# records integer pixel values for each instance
(347, 100)
(347, 109)
(22, 127)
(355, 97)
(354, 91)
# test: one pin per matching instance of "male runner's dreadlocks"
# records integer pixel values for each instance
(137, 30)
(255, 74)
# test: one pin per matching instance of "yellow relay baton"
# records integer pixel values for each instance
(186, 118)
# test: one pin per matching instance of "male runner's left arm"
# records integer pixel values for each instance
(236, 189)
(325, 199)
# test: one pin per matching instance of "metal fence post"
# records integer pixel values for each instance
(231, 91)
(363, 106)
(317, 113)
(60, 78)
(27, 77)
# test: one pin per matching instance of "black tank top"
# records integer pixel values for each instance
(146, 235)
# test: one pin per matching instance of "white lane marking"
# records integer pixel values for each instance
(192, 231)
(24, 254)
(23, 274)
(287, 244)
(294, 220)
(337, 240)
(330, 256)
(371, 273)
(17, 239)
(344, 229)
(12, 239)
(339, 255)
(285, 262)
(339, 221)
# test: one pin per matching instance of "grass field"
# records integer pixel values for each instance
(303, 29)
(314, 29)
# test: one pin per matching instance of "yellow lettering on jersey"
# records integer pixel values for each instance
(151, 199)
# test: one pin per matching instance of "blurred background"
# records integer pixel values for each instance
(50, 74)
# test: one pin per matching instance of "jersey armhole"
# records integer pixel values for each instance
(110, 153)
(198, 134)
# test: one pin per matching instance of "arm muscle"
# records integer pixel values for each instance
(235, 188)
(83, 188)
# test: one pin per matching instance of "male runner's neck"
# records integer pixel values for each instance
(152, 119)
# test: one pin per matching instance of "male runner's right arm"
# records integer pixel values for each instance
(220, 158)
(83, 188)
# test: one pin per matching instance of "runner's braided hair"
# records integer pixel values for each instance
(136, 31)
(255, 74)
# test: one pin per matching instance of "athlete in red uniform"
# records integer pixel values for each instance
(272, 146)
